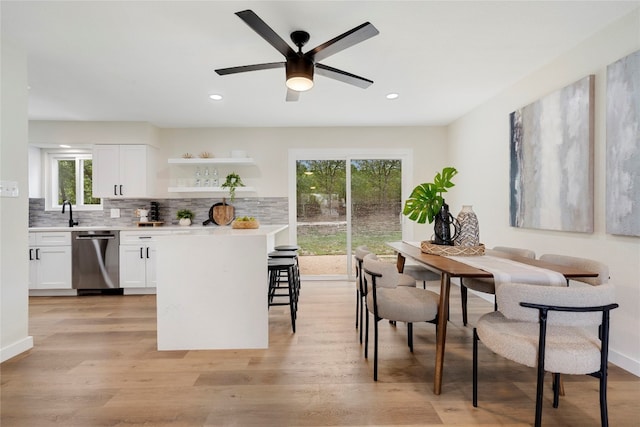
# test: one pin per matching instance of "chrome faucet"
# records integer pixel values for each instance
(71, 221)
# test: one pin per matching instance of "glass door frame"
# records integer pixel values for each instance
(405, 155)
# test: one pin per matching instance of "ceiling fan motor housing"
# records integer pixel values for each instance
(299, 71)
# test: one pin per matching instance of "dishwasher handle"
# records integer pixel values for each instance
(96, 237)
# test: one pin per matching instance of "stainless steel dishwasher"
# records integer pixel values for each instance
(95, 259)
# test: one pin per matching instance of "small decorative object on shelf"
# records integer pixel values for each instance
(185, 216)
(187, 156)
(245, 222)
(469, 234)
(205, 155)
(232, 181)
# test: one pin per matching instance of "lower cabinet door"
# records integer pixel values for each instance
(151, 266)
(133, 266)
(54, 267)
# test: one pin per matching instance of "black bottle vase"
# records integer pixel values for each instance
(442, 227)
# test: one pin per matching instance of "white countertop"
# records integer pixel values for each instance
(175, 229)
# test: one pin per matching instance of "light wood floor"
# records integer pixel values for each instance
(95, 364)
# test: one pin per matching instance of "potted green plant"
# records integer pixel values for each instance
(232, 181)
(185, 216)
(426, 201)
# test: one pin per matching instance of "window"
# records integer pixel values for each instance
(71, 179)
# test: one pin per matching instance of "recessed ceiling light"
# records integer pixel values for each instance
(392, 95)
(64, 146)
(216, 97)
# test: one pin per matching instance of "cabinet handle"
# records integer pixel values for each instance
(147, 252)
(141, 256)
(38, 253)
(115, 189)
(30, 254)
(121, 189)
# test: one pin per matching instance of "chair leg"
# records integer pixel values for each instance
(375, 350)
(475, 368)
(556, 390)
(410, 336)
(357, 306)
(463, 297)
(366, 335)
(604, 417)
(363, 308)
(539, 393)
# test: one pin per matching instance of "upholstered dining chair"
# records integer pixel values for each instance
(552, 329)
(386, 299)
(583, 264)
(421, 274)
(488, 286)
(361, 252)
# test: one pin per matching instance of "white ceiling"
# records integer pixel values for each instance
(153, 61)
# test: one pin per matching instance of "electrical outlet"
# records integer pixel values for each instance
(115, 213)
(9, 189)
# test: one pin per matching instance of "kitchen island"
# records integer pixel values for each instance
(212, 287)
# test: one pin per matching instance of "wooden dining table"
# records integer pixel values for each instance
(449, 268)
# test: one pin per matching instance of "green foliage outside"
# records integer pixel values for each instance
(68, 185)
(375, 209)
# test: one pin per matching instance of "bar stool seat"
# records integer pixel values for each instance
(287, 248)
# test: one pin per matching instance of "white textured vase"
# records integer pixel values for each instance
(185, 221)
(469, 234)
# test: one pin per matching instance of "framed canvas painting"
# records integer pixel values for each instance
(552, 161)
(623, 146)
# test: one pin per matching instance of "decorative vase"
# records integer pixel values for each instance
(185, 221)
(469, 234)
(442, 227)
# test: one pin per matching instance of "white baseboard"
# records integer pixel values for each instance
(625, 362)
(16, 348)
(139, 291)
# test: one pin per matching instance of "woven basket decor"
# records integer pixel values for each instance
(428, 247)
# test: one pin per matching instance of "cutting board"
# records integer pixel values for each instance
(223, 214)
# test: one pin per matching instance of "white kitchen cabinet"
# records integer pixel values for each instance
(138, 259)
(123, 171)
(50, 260)
(183, 174)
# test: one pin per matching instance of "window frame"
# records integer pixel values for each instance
(51, 180)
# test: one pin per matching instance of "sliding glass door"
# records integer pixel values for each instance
(342, 202)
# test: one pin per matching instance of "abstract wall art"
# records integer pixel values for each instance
(623, 146)
(552, 161)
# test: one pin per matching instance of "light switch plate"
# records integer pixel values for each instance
(9, 189)
(115, 213)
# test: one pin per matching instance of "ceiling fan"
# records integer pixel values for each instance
(300, 66)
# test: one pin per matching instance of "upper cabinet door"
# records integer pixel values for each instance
(106, 170)
(123, 171)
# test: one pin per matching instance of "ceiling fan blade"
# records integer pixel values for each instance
(343, 41)
(292, 95)
(265, 31)
(245, 68)
(343, 76)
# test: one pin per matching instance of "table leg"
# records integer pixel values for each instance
(443, 314)
(400, 262)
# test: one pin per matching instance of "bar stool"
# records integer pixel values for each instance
(276, 268)
(289, 254)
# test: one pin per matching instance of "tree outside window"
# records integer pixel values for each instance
(71, 179)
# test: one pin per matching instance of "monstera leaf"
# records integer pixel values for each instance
(426, 199)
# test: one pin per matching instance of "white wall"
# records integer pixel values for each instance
(480, 150)
(43, 132)
(14, 212)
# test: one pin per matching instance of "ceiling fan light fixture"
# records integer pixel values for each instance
(299, 74)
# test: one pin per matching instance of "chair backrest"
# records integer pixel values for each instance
(527, 253)
(582, 263)
(510, 295)
(361, 252)
(388, 271)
